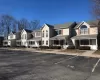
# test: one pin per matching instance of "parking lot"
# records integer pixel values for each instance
(24, 65)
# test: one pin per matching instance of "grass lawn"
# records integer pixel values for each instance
(73, 51)
(97, 52)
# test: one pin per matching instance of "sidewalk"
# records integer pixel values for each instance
(86, 53)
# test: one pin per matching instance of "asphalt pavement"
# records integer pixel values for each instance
(24, 65)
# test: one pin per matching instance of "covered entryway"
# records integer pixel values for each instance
(85, 40)
(59, 41)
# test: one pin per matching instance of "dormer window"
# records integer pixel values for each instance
(83, 29)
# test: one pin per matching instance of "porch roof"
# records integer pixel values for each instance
(18, 40)
(85, 37)
(35, 39)
(6, 40)
(62, 37)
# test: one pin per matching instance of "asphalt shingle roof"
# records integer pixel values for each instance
(59, 37)
(91, 23)
(85, 37)
(28, 30)
(65, 25)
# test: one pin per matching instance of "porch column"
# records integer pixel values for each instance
(96, 43)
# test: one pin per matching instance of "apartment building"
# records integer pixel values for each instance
(64, 35)
(11, 40)
(23, 37)
(86, 35)
(35, 41)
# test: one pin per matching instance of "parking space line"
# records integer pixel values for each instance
(95, 65)
(66, 59)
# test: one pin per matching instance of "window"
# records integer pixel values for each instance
(59, 32)
(11, 36)
(42, 42)
(84, 42)
(33, 42)
(43, 34)
(24, 36)
(46, 42)
(83, 29)
(92, 41)
(5, 42)
(46, 33)
(19, 43)
(38, 33)
(56, 42)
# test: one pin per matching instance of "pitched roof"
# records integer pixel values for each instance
(36, 30)
(13, 32)
(51, 26)
(27, 30)
(85, 37)
(65, 25)
(91, 23)
(60, 37)
(35, 38)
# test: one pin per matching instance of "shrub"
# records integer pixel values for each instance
(55, 47)
(50, 47)
(84, 48)
(71, 47)
(44, 47)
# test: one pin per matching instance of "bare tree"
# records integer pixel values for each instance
(96, 9)
(96, 14)
(7, 23)
(35, 24)
(22, 24)
(25, 24)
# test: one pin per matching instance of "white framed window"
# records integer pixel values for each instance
(83, 30)
(11, 36)
(46, 33)
(42, 42)
(31, 42)
(24, 36)
(43, 34)
(38, 33)
(92, 41)
(84, 42)
(46, 42)
(59, 32)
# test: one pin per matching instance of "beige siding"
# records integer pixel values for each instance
(45, 38)
(77, 31)
(65, 31)
(13, 36)
(93, 30)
